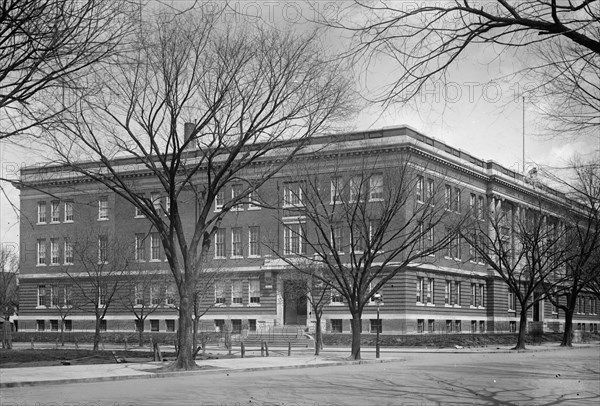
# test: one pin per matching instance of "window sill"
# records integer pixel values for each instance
(379, 199)
(55, 222)
(220, 304)
(254, 304)
(68, 222)
(41, 223)
(103, 219)
(420, 304)
(457, 306)
(237, 257)
(139, 216)
(237, 305)
(41, 265)
(253, 208)
(448, 305)
(68, 263)
(254, 256)
(430, 304)
(220, 257)
(41, 307)
(155, 260)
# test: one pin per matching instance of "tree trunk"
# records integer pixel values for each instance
(185, 356)
(356, 331)
(62, 332)
(318, 334)
(195, 334)
(522, 330)
(141, 333)
(568, 334)
(97, 334)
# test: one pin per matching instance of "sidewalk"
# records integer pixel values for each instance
(52, 375)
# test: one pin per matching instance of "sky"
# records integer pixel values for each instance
(478, 108)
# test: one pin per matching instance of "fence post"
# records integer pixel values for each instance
(289, 348)
(266, 349)
(243, 349)
(157, 353)
(262, 348)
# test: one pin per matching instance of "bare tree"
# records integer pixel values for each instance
(47, 46)
(526, 249)
(249, 96)
(582, 223)
(103, 264)
(9, 300)
(62, 302)
(372, 227)
(425, 39)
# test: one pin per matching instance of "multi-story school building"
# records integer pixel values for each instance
(453, 292)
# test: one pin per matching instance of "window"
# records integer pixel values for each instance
(431, 326)
(219, 293)
(101, 297)
(252, 324)
(358, 239)
(220, 243)
(420, 325)
(220, 325)
(457, 200)
(68, 325)
(140, 247)
(54, 251)
(41, 325)
(102, 325)
(473, 326)
(336, 296)
(236, 292)
(43, 296)
(430, 188)
(512, 301)
(336, 190)
(254, 241)
(337, 237)
(482, 326)
(448, 326)
(154, 325)
(55, 213)
(454, 247)
(481, 296)
(292, 194)
(68, 211)
(170, 292)
(155, 295)
(480, 210)
(420, 283)
(154, 247)
(448, 293)
(53, 325)
(376, 187)
(254, 291)
(457, 293)
(41, 252)
(139, 325)
(139, 295)
(138, 212)
(67, 300)
(458, 326)
(292, 239)
(356, 188)
(419, 191)
(448, 197)
(41, 209)
(102, 248)
(236, 191)
(473, 294)
(170, 325)
(236, 326)
(376, 326)
(155, 198)
(473, 205)
(253, 204)
(336, 325)
(220, 199)
(430, 290)
(103, 208)
(236, 242)
(68, 252)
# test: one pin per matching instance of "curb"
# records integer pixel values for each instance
(153, 375)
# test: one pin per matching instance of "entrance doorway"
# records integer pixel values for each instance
(538, 307)
(294, 302)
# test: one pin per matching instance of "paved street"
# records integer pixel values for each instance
(532, 378)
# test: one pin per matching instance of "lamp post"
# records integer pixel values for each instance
(378, 299)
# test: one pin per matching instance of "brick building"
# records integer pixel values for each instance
(453, 292)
